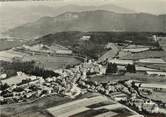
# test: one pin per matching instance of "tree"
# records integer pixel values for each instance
(111, 68)
(131, 68)
(4, 86)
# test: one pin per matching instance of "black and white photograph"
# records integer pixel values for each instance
(82, 58)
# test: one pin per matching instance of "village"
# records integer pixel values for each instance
(79, 79)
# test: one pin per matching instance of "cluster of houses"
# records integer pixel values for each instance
(73, 82)
(139, 102)
(144, 105)
(34, 87)
(121, 92)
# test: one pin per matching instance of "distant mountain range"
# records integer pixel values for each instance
(17, 15)
(107, 7)
(98, 20)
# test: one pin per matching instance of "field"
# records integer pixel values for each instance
(35, 108)
(130, 76)
(136, 49)
(13, 80)
(48, 62)
(4, 44)
(152, 60)
(161, 67)
(52, 62)
(92, 106)
(8, 55)
(144, 68)
(146, 54)
(158, 96)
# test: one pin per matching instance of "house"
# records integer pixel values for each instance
(49, 79)
(33, 77)
(64, 51)
(110, 46)
(118, 96)
(156, 73)
(3, 76)
(121, 62)
(150, 107)
(85, 38)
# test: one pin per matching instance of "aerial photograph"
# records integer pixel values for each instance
(82, 58)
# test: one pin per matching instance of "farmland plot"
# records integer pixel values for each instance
(146, 54)
(52, 62)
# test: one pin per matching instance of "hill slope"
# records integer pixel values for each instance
(91, 21)
(94, 47)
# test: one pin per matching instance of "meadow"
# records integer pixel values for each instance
(5, 44)
(52, 62)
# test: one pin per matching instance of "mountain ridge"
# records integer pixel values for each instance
(31, 13)
(98, 20)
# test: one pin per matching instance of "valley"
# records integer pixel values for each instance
(74, 58)
(69, 69)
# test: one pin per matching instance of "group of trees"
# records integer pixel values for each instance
(11, 69)
(112, 68)
(3, 86)
(131, 68)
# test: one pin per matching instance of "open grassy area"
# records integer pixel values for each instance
(158, 96)
(4, 44)
(161, 67)
(52, 62)
(130, 76)
(145, 54)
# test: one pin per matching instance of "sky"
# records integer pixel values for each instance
(16, 13)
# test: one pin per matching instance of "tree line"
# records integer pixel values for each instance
(28, 67)
(113, 68)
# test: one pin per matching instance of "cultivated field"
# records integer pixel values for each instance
(52, 62)
(8, 55)
(161, 67)
(152, 60)
(145, 54)
(130, 76)
(31, 109)
(158, 96)
(90, 107)
(37, 108)
(13, 80)
(4, 44)
(48, 62)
